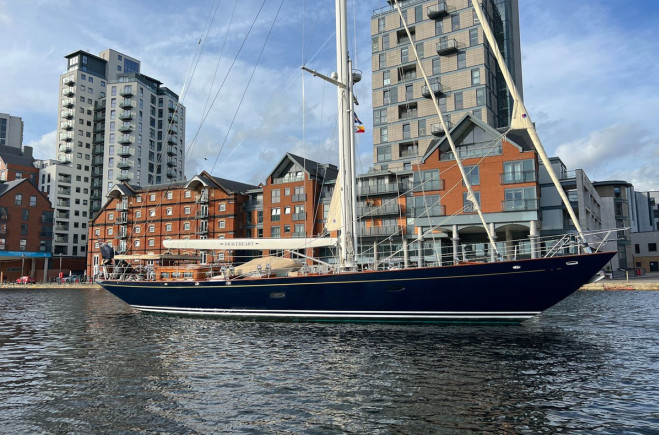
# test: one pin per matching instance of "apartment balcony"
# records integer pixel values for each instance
(127, 91)
(382, 210)
(424, 212)
(299, 216)
(125, 128)
(435, 87)
(126, 115)
(203, 198)
(46, 234)
(99, 105)
(64, 190)
(62, 226)
(68, 103)
(69, 92)
(122, 220)
(171, 151)
(99, 127)
(125, 176)
(124, 140)
(202, 213)
(172, 118)
(437, 130)
(203, 230)
(68, 81)
(171, 140)
(96, 194)
(98, 139)
(124, 151)
(97, 149)
(173, 131)
(437, 11)
(409, 152)
(61, 215)
(171, 162)
(300, 197)
(519, 205)
(66, 125)
(65, 148)
(99, 116)
(47, 220)
(97, 172)
(121, 250)
(447, 47)
(122, 206)
(123, 233)
(60, 238)
(518, 177)
(377, 189)
(171, 108)
(67, 114)
(124, 164)
(380, 231)
(126, 104)
(65, 159)
(171, 173)
(97, 182)
(64, 179)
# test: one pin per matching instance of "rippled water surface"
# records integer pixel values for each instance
(81, 361)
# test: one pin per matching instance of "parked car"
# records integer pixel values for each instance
(26, 280)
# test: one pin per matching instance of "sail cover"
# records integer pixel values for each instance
(334, 214)
(249, 244)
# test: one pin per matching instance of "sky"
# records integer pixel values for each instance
(236, 66)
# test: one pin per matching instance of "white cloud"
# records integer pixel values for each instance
(44, 147)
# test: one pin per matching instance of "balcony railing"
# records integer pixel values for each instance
(375, 210)
(203, 213)
(437, 130)
(518, 177)
(386, 230)
(299, 234)
(447, 47)
(171, 162)
(519, 205)
(122, 206)
(299, 216)
(299, 197)
(67, 114)
(124, 164)
(377, 188)
(422, 212)
(437, 11)
(126, 115)
(125, 139)
(171, 173)
(125, 176)
(171, 151)
(435, 87)
(126, 104)
(124, 151)
(65, 148)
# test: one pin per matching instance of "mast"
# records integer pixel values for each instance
(347, 240)
(520, 117)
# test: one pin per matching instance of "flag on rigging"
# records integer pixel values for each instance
(358, 125)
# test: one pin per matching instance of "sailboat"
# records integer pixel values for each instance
(501, 290)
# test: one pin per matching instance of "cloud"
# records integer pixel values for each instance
(44, 147)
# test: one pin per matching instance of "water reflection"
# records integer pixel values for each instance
(82, 361)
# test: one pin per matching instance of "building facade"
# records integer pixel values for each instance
(115, 125)
(456, 58)
(11, 131)
(26, 230)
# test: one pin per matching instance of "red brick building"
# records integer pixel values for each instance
(26, 230)
(16, 164)
(135, 220)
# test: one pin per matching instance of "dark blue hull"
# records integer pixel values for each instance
(504, 291)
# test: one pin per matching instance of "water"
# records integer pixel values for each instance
(81, 361)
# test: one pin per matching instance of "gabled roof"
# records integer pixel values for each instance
(229, 186)
(518, 138)
(15, 156)
(8, 185)
(326, 171)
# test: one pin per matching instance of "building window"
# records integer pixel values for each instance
(18, 199)
(419, 50)
(384, 134)
(439, 27)
(137, 243)
(137, 229)
(33, 201)
(138, 214)
(152, 242)
(276, 196)
(473, 175)
(221, 223)
(152, 228)
(406, 131)
(168, 227)
(652, 247)
(23, 245)
(637, 248)
(386, 78)
(384, 153)
(170, 195)
(380, 116)
(110, 216)
(436, 66)
(186, 226)
(169, 211)
(458, 100)
(386, 97)
(188, 194)
(475, 77)
(275, 232)
(455, 22)
(275, 215)
(422, 127)
(462, 60)
(152, 197)
(382, 61)
(223, 206)
(110, 231)
(380, 24)
(152, 212)
(404, 55)
(473, 37)
(409, 92)
(480, 96)
(385, 41)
